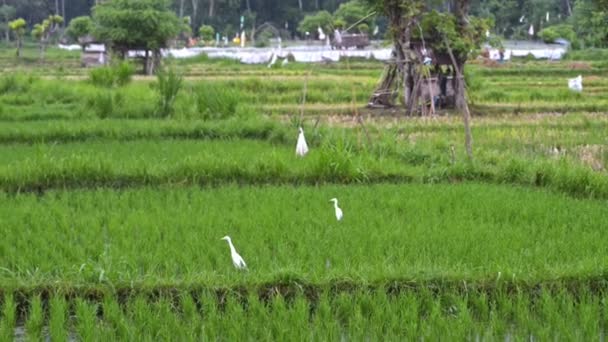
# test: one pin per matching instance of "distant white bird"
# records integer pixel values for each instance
(272, 60)
(301, 146)
(338, 210)
(321, 33)
(237, 260)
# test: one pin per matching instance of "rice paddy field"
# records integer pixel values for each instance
(112, 210)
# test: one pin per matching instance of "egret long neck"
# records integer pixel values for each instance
(336, 204)
(232, 249)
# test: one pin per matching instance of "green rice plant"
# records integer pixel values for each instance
(9, 317)
(116, 75)
(211, 316)
(215, 102)
(16, 83)
(168, 85)
(191, 317)
(116, 321)
(86, 320)
(123, 73)
(102, 77)
(414, 312)
(105, 103)
(58, 315)
(35, 319)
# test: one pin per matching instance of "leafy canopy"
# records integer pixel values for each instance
(79, 27)
(18, 26)
(135, 24)
(311, 23)
(206, 32)
(437, 27)
(353, 11)
(43, 30)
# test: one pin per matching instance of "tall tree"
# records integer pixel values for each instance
(7, 13)
(18, 27)
(45, 30)
(79, 28)
(145, 25)
(402, 16)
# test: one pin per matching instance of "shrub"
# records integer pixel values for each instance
(548, 35)
(551, 33)
(206, 32)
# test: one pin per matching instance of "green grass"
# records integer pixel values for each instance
(547, 314)
(112, 217)
(390, 232)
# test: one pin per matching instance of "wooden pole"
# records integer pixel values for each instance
(461, 103)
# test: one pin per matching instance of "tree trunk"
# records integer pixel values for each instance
(211, 7)
(18, 47)
(248, 4)
(569, 7)
(300, 5)
(461, 11)
(181, 8)
(63, 13)
(146, 62)
(57, 7)
(400, 73)
(41, 47)
(194, 10)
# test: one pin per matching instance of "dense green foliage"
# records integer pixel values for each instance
(135, 25)
(389, 232)
(79, 28)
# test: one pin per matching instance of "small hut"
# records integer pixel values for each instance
(348, 40)
(437, 81)
(431, 83)
(94, 53)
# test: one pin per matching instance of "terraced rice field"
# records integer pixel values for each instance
(112, 214)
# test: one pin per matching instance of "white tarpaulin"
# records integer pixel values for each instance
(576, 84)
(304, 54)
(69, 47)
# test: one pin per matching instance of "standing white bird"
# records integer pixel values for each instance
(301, 146)
(237, 260)
(338, 210)
(273, 60)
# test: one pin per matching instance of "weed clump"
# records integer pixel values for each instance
(217, 102)
(116, 75)
(168, 86)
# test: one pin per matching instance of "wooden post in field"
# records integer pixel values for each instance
(461, 102)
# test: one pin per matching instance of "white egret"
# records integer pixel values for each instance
(321, 33)
(338, 210)
(301, 146)
(237, 260)
(272, 60)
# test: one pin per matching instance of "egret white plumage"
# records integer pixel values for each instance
(321, 33)
(237, 260)
(301, 146)
(273, 60)
(338, 210)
